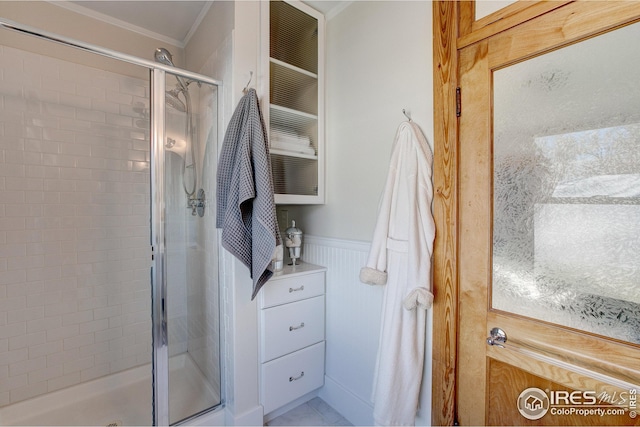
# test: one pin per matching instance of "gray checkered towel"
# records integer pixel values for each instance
(246, 211)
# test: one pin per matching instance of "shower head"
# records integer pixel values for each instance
(171, 98)
(163, 56)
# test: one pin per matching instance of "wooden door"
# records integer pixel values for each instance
(549, 371)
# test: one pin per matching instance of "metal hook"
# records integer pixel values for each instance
(406, 114)
(246, 88)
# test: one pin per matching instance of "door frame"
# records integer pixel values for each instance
(454, 28)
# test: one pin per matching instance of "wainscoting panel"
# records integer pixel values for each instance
(352, 325)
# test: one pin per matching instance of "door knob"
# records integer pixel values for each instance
(497, 337)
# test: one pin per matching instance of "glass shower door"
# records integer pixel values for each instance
(75, 343)
(190, 304)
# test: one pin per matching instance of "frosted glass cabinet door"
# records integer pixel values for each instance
(566, 187)
(293, 59)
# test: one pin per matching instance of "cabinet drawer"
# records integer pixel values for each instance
(292, 376)
(290, 327)
(284, 290)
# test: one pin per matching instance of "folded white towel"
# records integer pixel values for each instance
(293, 147)
(284, 135)
(289, 136)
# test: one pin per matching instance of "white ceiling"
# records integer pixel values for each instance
(172, 19)
(169, 21)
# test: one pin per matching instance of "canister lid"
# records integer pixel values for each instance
(293, 229)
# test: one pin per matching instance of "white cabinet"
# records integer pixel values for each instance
(292, 326)
(291, 335)
(293, 70)
(292, 376)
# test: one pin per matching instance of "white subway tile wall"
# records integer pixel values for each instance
(74, 224)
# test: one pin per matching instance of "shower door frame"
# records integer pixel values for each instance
(160, 366)
(158, 276)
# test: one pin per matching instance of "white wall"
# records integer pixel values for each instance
(379, 60)
(487, 7)
(215, 27)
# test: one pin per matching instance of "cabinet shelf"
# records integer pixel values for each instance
(278, 152)
(294, 123)
(297, 121)
(294, 174)
(292, 89)
(292, 114)
(293, 68)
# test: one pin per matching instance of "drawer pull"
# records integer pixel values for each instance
(293, 328)
(301, 288)
(291, 379)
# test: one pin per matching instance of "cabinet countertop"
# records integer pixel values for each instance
(295, 270)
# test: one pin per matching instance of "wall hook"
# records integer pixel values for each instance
(246, 88)
(406, 114)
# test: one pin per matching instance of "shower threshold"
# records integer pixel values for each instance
(118, 399)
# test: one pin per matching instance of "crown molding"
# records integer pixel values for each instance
(196, 23)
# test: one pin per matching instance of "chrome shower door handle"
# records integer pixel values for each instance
(497, 337)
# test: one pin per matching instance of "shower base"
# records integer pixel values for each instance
(119, 399)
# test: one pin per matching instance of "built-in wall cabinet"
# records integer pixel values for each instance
(292, 60)
(292, 304)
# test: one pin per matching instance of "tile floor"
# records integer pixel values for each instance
(315, 412)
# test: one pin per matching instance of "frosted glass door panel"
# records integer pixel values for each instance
(566, 185)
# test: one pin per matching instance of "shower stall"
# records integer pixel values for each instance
(109, 287)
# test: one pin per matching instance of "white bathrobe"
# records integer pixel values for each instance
(400, 256)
